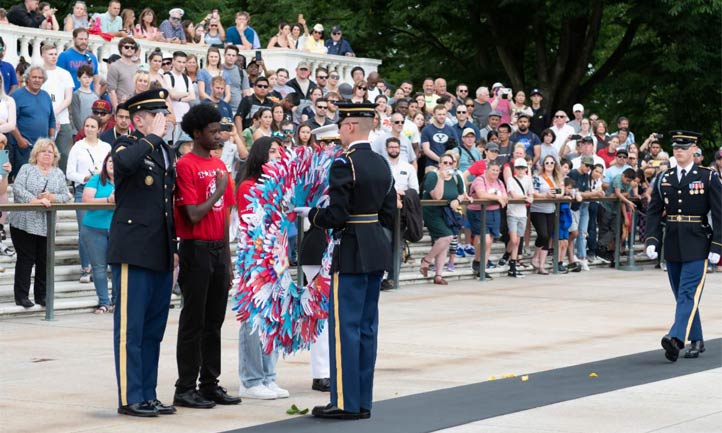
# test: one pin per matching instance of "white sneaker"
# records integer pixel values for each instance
(258, 392)
(585, 265)
(85, 276)
(279, 392)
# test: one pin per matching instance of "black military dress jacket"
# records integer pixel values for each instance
(142, 232)
(360, 184)
(684, 206)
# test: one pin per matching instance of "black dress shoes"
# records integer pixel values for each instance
(25, 303)
(332, 412)
(163, 409)
(323, 385)
(695, 348)
(40, 302)
(671, 346)
(192, 399)
(143, 409)
(365, 414)
(220, 396)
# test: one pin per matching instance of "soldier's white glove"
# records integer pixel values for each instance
(713, 258)
(302, 211)
(651, 252)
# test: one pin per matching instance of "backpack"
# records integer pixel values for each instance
(172, 80)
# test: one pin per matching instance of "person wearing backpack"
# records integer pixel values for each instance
(467, 155)
(179, 86)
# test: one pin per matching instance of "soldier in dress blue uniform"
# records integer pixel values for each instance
(683, 196)
(141, 252)
(360, 212)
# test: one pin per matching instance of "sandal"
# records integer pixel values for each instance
(101, 309)
(438, 279)
(424, 269)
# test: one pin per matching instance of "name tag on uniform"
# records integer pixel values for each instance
(666, 184)
(403, 172)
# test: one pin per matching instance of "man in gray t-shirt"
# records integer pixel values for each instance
(121, 72)
(235, 77)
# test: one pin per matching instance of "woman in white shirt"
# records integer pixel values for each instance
(85, 160)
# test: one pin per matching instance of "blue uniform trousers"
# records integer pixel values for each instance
(687, 280)
(141, 311)
(353, 328)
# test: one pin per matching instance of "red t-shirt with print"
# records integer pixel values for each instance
(195, 183)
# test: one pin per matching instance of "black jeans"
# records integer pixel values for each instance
(203, 280)
(31, 251)
(544, 225)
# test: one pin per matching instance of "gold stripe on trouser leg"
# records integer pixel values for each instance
(697, 295)
(337, 337)
(123, 361)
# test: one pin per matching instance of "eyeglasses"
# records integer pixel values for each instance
(321, 107)
(361, 88)
(335, 33)
(550, 163)
(287, 131)
(470, 106)
(321, 77)
(167, 63)
(621, 156)
(446, 163)
(317, 32)
(332, 101)
(560, 116)
(262, 86)
(100, 113)
(129, 47)
(461, 112)
(334, 77)
(398, 122)
(174, 19)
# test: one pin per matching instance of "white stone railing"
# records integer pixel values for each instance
(29, 40)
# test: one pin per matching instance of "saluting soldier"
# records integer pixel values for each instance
(141, 252)
(360, 212)
(683, 196)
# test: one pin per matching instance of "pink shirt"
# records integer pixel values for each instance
(481, 184)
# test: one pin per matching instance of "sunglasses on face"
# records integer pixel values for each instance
(262, 86)
(470, 106)
(322, 107)
(166, 63)
(558, 116)
(335, 33)
(361, 88)
(174, 19)
(334, 77)
(550, 163)
(463, 91)
(398, 122)
(621, 156)
(100, 113)
(288, 131)
(317, 32)
(129, 47)
(461, 112)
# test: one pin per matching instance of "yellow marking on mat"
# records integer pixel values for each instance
(337, 336)
(123, 334)
(697, 295)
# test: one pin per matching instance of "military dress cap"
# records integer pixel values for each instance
(355, 110)
(684, 139)
(326, 132)
(150, 100)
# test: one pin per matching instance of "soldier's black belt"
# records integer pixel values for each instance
(363, 219)
(684, 219)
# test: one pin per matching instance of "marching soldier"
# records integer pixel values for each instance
(683, 196)
(141, 252)
(362, 205)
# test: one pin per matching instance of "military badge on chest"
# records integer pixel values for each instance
(696, 188)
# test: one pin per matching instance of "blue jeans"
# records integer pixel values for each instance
(96, 245)
(580, 246)
(79, 214)
(254, 366)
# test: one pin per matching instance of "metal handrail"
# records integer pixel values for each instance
(55, 207)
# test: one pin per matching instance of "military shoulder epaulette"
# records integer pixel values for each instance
(704, 168)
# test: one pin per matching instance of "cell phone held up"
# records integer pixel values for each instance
(258, 56)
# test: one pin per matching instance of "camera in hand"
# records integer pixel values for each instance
(557, 190)
(575, 137)
(659, 136)
(226, 125)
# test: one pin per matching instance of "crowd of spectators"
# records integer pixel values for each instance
(487, 144)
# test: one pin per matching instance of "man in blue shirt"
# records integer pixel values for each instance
(434, 138)
(337, 45)
(242, 34)
(35, 117)
(463, 122)
(524, 135)
(172, 28)
(218, 89)
(10, 80)
(78, 55)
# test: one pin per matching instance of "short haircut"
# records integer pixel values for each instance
(39, 146)
(177, 54)
(78, 31)
(392, 140)
(85, 69)
(47, 47)
(462, 84)
(505, 126)
(438, 107)
(321, 99)
(199, 117)
(231, 48)
(279, 70)
(358, 68)
(218, 79)
(406, 82)
(30, 69)
(567, 162)
(113, 1)
(493, 163)
(321, 69)
(568, 181)
(244, 14)
(261, 79)
(629, 173)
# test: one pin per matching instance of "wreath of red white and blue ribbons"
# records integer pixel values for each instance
(287, 318)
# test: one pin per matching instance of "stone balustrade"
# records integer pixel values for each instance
(29, 40)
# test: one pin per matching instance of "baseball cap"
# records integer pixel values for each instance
(468, 131)
(492, 146)
(336, 29)
(536, 92)
(345, 90)
(495, 85)
(494, 113)
(318, 28)
(622, 151)
(587, 139)
(303, 65)
(178, 11)
(102, 105)
(520, 162)
(587, 160)
(578, 107)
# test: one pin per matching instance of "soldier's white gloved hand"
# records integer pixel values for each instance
(302, 211)
(713, 258)
(651, 252)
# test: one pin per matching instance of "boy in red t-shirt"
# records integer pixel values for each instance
(202, 197)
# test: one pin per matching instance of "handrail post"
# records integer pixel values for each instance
(482, 244)
(50, 266)
(397, 248)
(299, 239)
(617, 234)
(555, 241)
(631, 261)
